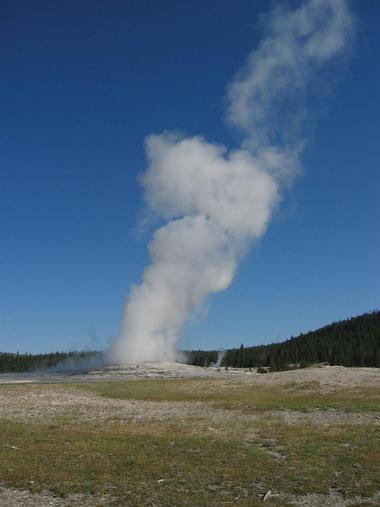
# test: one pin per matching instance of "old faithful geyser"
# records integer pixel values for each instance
(218, 202)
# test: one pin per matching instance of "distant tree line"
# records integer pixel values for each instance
(351, 342)
(28, 362)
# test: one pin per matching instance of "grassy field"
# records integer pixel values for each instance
(237, 395)
(222, 442)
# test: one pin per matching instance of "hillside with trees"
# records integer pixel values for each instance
(351, 342)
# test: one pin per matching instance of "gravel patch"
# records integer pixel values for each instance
(12, 497)
(47, 402)
(329, 378)
(326, 417)
(333, 499)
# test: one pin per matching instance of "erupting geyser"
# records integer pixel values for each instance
(217, 202)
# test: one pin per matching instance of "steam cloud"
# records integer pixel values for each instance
(217, 202)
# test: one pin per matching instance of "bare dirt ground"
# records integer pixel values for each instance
(46, 400)
(12, 497)
(43, 398)
(330, 378)
(111, 373)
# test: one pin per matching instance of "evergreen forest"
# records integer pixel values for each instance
(351, 342)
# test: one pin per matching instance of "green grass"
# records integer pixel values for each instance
(345, 458)
(129, 459)
(235, 395)
(201, 465)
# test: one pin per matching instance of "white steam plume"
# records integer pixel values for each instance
(218, 202)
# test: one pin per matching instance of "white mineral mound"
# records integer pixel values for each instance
(109, 373)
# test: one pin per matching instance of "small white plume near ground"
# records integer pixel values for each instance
(217, 202)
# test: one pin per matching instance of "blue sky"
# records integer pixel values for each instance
(83, 83)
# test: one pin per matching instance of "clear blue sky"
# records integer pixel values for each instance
(82, 84)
